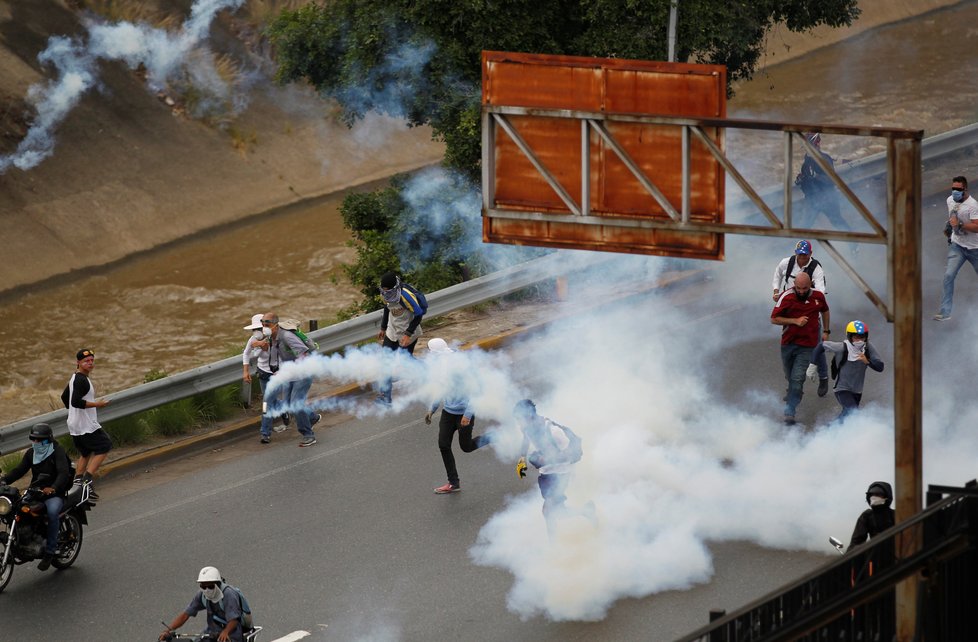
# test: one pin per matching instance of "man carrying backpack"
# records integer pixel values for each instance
(556, 449)
(850, 359)
(400, 326)
(228, 613)
(784, 279)
(286, 345)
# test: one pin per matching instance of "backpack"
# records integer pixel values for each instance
(291, 325)
(808, 269)
(837, 364)
(575, 450)
(414, 300)
(247, 621)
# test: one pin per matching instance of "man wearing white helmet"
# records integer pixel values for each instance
(225, 611)
(456, 416)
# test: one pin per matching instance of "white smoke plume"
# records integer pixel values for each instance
(75, 61)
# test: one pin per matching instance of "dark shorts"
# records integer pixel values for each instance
(93, 443)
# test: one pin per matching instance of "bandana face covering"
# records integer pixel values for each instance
(42, 450)
(213, 594)
(391, 295)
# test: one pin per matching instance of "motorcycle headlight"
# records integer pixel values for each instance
(5, 506)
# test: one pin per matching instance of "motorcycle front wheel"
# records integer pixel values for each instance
(6, 572)
(69, 542)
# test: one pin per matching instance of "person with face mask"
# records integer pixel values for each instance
(962, 225)
(821, 194)
(51, 471)
(878, 517)
(850, 358)
(225, 612)
(400, 323)
(258, 345)
(797, 311)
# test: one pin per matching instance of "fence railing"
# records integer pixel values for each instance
(180, 385)
(852, 598)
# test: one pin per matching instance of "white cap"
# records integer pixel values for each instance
(255, 322)
(439, 346)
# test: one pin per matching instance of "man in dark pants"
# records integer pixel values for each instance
(456, 416)
(556, 450)
(92, 443)
(821, 194)
(400, 325)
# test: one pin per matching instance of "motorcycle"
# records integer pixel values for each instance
(249, 636)
(23, 527)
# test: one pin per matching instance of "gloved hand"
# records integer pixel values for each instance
(427, 419)
(521, 468)
(812, 372)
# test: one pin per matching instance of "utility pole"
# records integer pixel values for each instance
(673, 10)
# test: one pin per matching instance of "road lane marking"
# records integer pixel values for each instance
(252, 479)
(292, 637)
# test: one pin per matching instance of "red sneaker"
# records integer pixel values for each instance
(447, 488)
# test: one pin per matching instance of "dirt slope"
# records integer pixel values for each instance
(128, 174)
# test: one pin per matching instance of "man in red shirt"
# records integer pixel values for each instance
(797, 311)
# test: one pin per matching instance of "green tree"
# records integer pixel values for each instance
(420, 60)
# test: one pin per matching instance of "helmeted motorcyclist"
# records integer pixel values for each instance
(51, 472)
(223, 606)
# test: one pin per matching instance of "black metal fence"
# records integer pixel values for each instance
(853, 598)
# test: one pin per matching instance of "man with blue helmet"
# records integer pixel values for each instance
(850, 358)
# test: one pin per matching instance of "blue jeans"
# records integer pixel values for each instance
(54, 505)
(795, 360)
(956, 256)
(849, 401)
(266, 418)
(386, 384)
(295, 394)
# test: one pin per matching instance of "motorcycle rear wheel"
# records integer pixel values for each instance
(69, 542)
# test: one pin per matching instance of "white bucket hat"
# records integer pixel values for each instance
(255, 322)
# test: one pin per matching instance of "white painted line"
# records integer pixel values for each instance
(292, 637)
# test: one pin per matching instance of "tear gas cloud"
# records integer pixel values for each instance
(75, 61)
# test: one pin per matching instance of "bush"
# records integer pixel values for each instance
(174, 418)
(217, 404)
(128, 430)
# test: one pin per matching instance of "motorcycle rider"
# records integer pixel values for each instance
(51, 471)
(224, 612)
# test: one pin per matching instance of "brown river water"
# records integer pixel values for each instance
(183, 306)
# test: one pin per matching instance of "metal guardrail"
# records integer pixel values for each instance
(13, 437)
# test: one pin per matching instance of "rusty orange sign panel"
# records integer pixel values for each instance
(606, 213)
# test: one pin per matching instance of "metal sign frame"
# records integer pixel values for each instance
(902, 305)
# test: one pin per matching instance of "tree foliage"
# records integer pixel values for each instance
(420, 60)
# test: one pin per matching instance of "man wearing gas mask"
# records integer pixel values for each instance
(797, 311)
(962, 226)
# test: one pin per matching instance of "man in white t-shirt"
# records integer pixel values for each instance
(962, 215)
(92, 443)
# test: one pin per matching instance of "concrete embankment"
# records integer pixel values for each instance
(131, 172)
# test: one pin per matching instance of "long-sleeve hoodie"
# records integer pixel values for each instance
(852, 374)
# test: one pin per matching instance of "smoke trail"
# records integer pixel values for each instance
(75, 61)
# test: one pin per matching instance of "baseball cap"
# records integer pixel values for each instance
(803, 247)
(83, 354)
